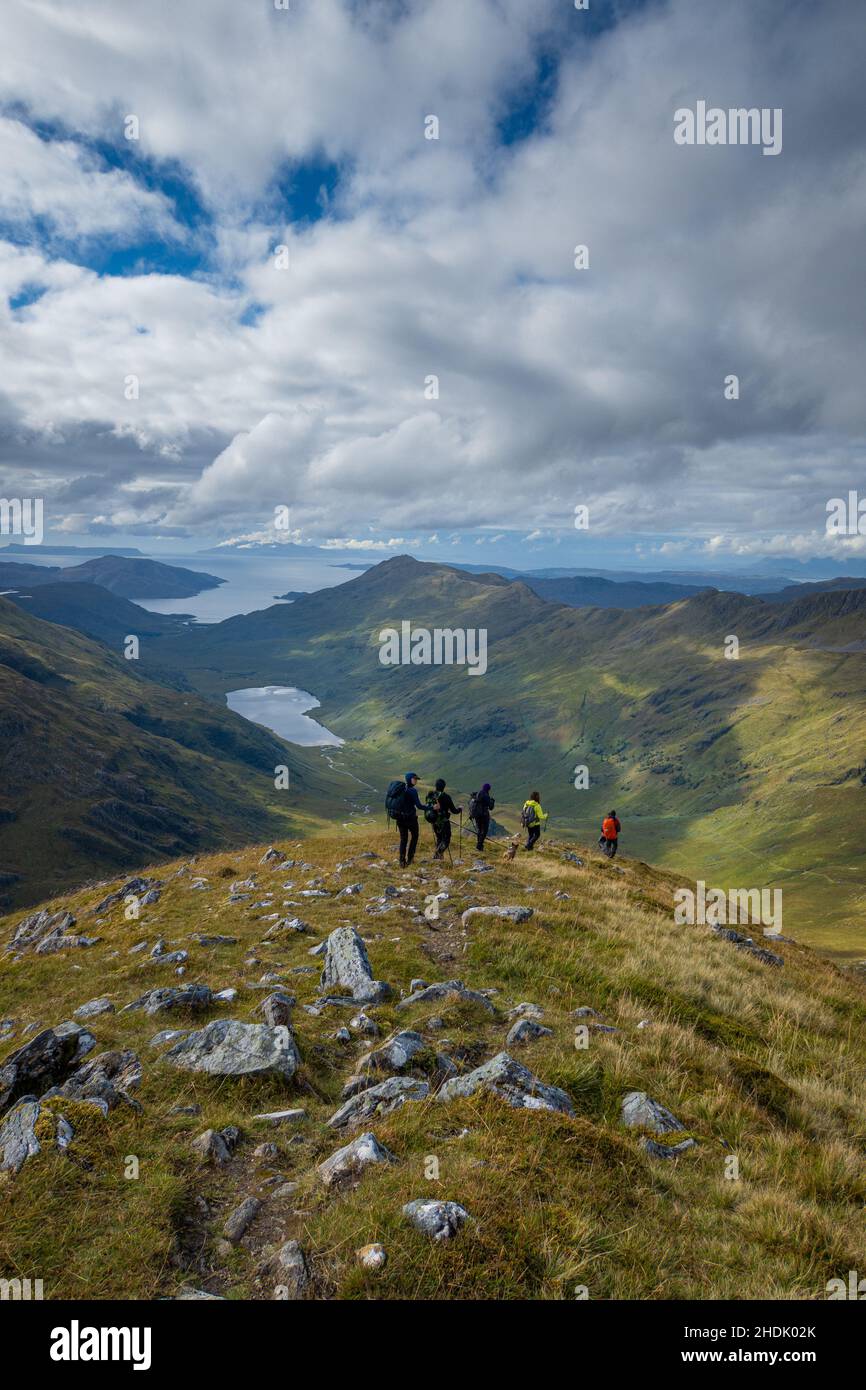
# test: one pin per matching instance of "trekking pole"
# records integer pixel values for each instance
(460, 846)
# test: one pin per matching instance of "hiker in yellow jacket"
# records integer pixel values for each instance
(533, 818)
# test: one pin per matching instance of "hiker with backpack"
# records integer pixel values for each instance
(532, 818)
(480, 806)
(610, 828)
(403, 803)
(438, 810)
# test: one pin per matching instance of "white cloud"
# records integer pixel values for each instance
(449, 257)
(71, 191)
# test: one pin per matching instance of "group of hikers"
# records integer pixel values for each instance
(403, 802)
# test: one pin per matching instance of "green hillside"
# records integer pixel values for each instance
(101, 767)
(173, 1181)
(750, 772)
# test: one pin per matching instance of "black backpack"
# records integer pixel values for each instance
(474, 807)
(432, 814)
(396, 799)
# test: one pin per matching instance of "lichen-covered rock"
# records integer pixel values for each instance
(194, 998)
(504, 1077)
(350, 1161)
(230, 1048)
(347, 966)
(526, 1011)
(241, 1218)
(216, 1146)
(288, 1267)
(105, 1080)
(276, 1010)
(526, 1030)
(93, 1008)
(43, 1061)
(38, 927)
(441, 991)
(438, 1220)
(372, 1257)
(512, 914)
(395, 1054)
(18, 1139)
(379, 1100)
(639, 1111)
(134, 887)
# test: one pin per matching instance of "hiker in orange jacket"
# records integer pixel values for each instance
(610, 828)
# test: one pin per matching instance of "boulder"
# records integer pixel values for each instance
(18, 1140)
(134, 887)
(43, 1061)
(639, 1111)
(288, 1266)
(242, 1217)
(512, 914)
(194, 998)
(93, 1008)
(526, 1030)
(281, 1117)
(378, 1100)
(395, 1054)
(372, 1257)
(105, 1080)
(230, 1048)
(276, 1010)
(38, 927)
(745, 943)
(526, 1011)
(216, 1146)
(441, 991)
(504, 1077)
(438, 1220)
(347, 966)
(350, 1161)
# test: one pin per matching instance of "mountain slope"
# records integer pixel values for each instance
(100, 767)
(94, 611)
(762, 1065)
(751, 769)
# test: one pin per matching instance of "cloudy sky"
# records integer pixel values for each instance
(246, 306)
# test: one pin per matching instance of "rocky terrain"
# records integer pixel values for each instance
(297, 1072)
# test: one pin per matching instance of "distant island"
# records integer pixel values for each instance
(293, 594)
(46, 548)
(126, 577)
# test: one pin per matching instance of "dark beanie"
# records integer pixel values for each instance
(486, 787)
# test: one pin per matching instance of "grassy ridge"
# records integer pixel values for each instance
(762, 1065)
(101, 767)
